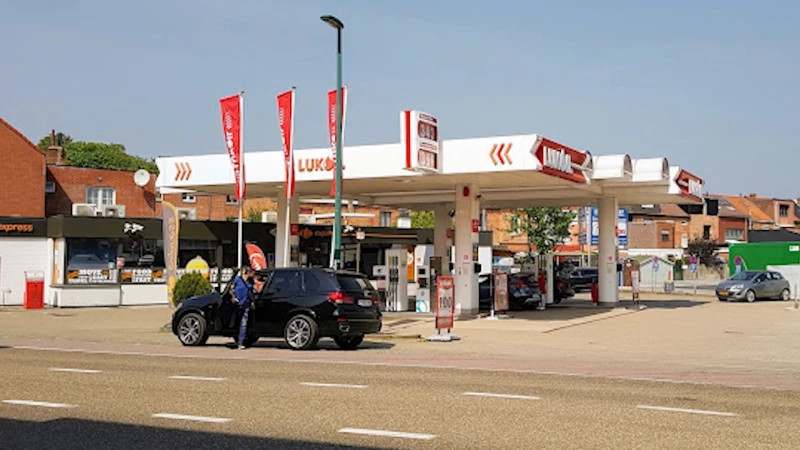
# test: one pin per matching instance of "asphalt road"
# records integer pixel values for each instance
(75, 400)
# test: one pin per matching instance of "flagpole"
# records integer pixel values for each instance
(241, 176)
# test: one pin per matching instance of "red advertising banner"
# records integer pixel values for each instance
(257, 261)
(445, 304)
(501, 291)
(332, 127)
(286, 122)
(232, 108)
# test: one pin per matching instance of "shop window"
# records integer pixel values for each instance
(188, 198)
(783, 210)
(706, 232)
(386, 219)
(91, 254)
(665, 236)
(100, 196)
(734, 234)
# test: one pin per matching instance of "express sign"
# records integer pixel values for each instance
(562, 162)
(419, 135)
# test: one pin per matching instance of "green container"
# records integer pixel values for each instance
(757, 256)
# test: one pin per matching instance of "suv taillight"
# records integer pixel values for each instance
(338, 297)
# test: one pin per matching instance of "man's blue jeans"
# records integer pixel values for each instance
(245, 313)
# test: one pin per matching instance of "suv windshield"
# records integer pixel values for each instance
(744, 276)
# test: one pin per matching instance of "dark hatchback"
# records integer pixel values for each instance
(300, 305)
(582, 278)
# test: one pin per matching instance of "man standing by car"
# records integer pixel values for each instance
(242, 289)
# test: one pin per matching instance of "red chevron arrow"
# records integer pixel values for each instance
(182, 171)
(500, 154)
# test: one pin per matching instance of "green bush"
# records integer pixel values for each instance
(190, 285)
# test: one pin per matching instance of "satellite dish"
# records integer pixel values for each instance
(141, 177)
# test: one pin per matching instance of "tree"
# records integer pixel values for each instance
(99, 155)
(422, 219)
(544, 227)
(705, 249)
(190, 285)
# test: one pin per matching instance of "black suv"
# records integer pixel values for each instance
(301, 305)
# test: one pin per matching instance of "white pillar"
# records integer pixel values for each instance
(442, 244)
(466, 282)
(280, 234)
(607, 248)
(281, 259)
(294, 239)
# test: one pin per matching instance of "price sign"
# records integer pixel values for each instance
(445, 305)
(501, 291)
(419, 136)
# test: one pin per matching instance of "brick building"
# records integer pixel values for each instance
(101, 188)
(784, 213)
(22, 174)
(658, 227)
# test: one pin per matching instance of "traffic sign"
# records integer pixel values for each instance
(693, 268)
(693, 259)
(655, 263)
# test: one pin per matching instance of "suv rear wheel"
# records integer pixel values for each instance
(301, 333)
(349, 342)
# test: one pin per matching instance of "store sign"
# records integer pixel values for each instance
(16, 228)
(316, 164)
(307, 233)
(622, 227)
(445, 305)
(139, 275)
(690, 185)
(419, 136)
(92, 276)
(563, 162)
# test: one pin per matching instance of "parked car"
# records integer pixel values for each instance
(582, 278)
(754, 285)
(523, 290)
(301, 305)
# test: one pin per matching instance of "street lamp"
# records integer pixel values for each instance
(337, 218)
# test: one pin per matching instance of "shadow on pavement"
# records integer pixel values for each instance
(67, 434)
(324, 345)
(576, 309)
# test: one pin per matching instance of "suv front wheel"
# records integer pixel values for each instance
(301, 333)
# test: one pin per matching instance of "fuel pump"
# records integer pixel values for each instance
(423, 289)
(397, 287)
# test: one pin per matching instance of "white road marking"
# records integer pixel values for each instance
(510, 396)
(187, 377)
(40, 404)
(66, 369)
(392, 434)
(688, 411)
(398, 365)
(336, 385)
(191, 418)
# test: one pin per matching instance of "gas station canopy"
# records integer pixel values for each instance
(511, 171)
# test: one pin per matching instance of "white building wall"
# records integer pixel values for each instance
(18, 255)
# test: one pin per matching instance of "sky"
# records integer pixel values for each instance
(711, 85)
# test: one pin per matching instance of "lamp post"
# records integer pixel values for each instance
(337, 218)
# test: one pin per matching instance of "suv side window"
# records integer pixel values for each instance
(311, 282)
(287, 282)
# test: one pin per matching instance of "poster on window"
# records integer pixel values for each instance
(92, 276)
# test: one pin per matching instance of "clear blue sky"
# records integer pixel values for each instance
(710, 84)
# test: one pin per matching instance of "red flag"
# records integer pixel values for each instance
(332, 127)
(257, 261)
(286, 122)
(232, 129)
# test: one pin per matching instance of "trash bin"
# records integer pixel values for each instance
(595, 293)
(34, 290)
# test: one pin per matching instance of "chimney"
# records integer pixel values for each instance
(753, 195)
(55, 154)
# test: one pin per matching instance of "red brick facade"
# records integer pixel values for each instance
(22, 174)
(71, 185)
